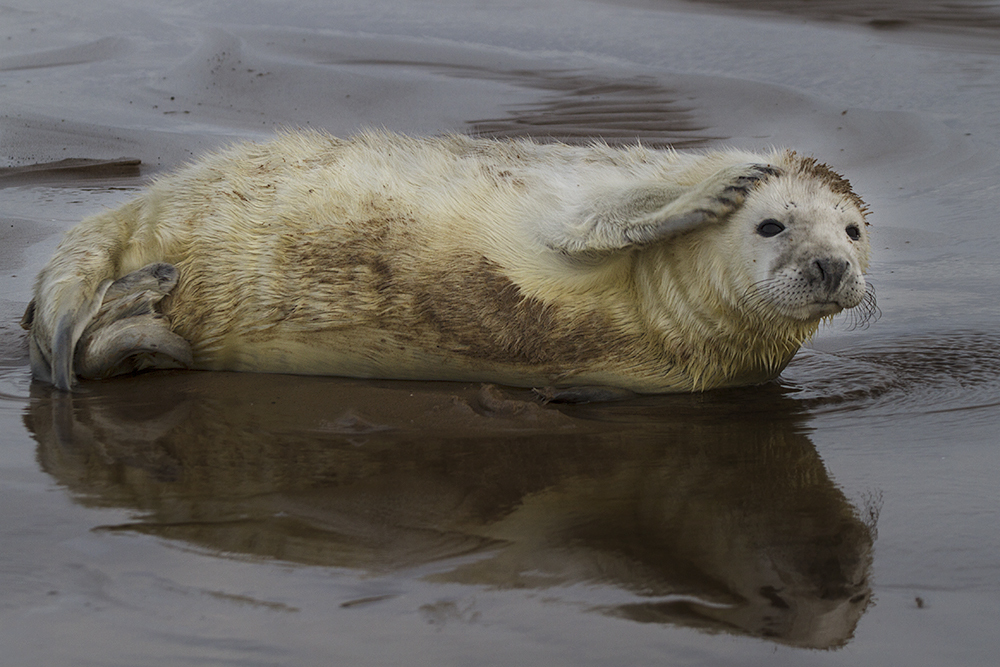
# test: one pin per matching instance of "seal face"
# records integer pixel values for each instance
(810, 245)
(460, 259)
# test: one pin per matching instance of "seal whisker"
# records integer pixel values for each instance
(867, 312)
(755, 301)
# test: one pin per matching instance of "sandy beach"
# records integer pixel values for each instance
(843, 514)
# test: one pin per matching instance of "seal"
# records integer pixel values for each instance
(456, 258)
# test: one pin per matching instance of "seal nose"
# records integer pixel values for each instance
(829, 272)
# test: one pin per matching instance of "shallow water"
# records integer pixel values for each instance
(196, 518)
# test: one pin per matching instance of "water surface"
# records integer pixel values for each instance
(845, 514)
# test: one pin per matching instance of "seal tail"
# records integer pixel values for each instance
(87, 319)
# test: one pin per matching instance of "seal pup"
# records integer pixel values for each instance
(455, 258)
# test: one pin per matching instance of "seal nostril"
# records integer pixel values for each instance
(830, 272)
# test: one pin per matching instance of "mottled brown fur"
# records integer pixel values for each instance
(810, 166)
(504, 325)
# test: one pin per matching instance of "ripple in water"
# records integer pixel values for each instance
(924, 374)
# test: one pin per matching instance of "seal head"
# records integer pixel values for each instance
(804, 238)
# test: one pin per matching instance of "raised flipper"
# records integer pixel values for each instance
(640, 215)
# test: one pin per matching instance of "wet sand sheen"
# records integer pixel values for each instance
(527, 497)
(277, 519)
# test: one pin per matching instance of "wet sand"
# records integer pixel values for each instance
(913, 17)
(845, 514)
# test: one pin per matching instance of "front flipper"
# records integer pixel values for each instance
(652, 212)
(127, 334)
(584, 394)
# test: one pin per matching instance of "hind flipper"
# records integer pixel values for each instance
(52, 355)
(127, 334)
(137, 343)
(41, 367)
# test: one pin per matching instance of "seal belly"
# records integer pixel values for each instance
(348, 313)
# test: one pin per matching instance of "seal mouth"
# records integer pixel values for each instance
(814, 312)
(824, 308)
(795, 298)
(811, 312)
(861, 311)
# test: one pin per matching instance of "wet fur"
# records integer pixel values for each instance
(444, 258)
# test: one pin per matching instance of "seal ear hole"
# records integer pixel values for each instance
(854, 232)
(770, 227)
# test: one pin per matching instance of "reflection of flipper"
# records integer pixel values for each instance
(127, 334)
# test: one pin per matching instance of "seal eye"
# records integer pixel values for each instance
(853, 232)
(770, 227)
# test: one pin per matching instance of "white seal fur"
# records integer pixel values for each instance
(455, 258)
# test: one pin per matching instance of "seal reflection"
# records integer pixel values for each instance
(709, 511)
